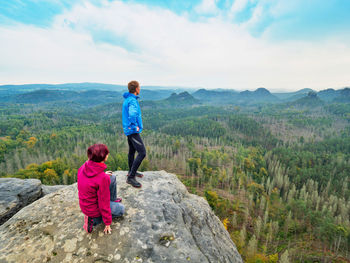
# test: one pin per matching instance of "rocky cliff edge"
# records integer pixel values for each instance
(163, 223)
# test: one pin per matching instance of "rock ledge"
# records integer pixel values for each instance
(164, 223)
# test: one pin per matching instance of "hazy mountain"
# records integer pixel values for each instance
(291, 96)
(87, 86)
(183, 98)
(155, 94)
(87, 94)
(343, 96)
(44, 95)
(311, 100)
(328, 94)
(215, 96)
(260, 95)
(66, 86)
(96, 97)
(167, 88)
(85, 98)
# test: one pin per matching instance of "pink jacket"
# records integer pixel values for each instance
(93, 187)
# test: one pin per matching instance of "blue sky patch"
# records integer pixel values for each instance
(32, 12)
(308, 20)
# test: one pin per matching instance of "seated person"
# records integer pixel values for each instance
(98, 190)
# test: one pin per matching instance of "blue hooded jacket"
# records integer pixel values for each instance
(131, 114)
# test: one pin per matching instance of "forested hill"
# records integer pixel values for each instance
(276, 173)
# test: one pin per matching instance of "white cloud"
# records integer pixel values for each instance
(256, 17)
(238, 6)
(168, 49)
(281, 7)
(207, 7)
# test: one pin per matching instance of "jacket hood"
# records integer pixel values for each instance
(91, 168)
(128, 94)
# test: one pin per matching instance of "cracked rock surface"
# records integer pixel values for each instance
(15, 194)
(163, 223)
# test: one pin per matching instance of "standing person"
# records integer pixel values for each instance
(132, 125)
(98, 190)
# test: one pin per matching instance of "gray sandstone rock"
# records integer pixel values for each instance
(163, 223)
(16, 193)
(48, 189)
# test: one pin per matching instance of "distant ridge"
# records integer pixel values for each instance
(87, 97)
(147, 94)
(69, 86)
(88, 86)
(328, 94)
(290, 96)
(261, 95)
(44, 95)
(344, 95)
(90, 94)
(182, 98)
(223, 96)
(311, 100)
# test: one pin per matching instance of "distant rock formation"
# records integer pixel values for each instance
(181, 98)
(260, 95)
(163, 223)
(311, 100)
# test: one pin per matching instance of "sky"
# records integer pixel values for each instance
(229, 44)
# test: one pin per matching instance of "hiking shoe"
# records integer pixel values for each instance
(137, 174)
(88, 223)
(133, 182)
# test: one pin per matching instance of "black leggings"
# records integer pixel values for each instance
(135, 145)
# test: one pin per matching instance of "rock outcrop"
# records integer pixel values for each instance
(48, 189)
(16, 194)
(163, 223)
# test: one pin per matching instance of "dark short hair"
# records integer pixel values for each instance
(97, 152)
(132, 85)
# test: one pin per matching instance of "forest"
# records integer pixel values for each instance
(277, 173)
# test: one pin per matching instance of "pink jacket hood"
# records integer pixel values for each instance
(91, 169)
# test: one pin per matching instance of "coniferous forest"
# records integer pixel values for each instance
(275, 169)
